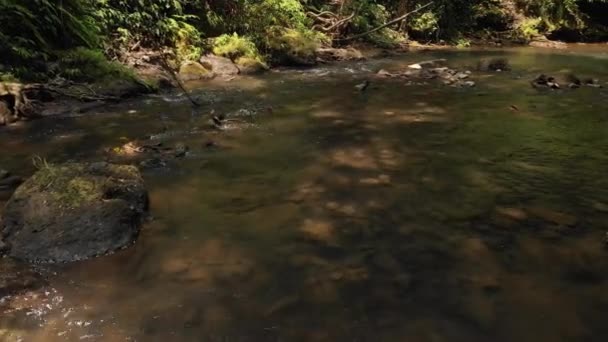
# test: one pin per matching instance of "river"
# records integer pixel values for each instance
(408, 212)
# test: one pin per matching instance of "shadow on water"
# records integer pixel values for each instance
(405, 213)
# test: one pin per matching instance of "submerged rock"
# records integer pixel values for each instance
(544, 81)
(221, 66)
(499, 64)
(74, 211)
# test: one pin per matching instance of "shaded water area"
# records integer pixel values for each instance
(404, 213)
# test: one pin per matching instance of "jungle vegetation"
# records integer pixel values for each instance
(78, 39)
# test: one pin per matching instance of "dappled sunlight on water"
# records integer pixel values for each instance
(404, 213)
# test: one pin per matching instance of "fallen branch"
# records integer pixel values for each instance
(339, 23)
(394, 21)
(165, 65)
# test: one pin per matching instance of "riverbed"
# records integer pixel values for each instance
(412, 211)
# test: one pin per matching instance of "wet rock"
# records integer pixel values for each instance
(16, 277)
(593, 82)
(384, 73)
(193, 71)
(74, 211)
(338, 54)
(574, 82)
(362, 86)
(221, 66)
(499, 64)
(544, 81)
(180, 150)
(250, 66)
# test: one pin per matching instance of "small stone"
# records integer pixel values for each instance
(181, 150)
(469, 84)
(384, 73)
(461, 75)
(4, 174)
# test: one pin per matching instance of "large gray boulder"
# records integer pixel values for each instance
(74, 211)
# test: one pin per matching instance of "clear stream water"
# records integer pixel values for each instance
(405, 213)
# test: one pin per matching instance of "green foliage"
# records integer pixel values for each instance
(299, 43)
(529, 29)
(82, 64)
(371, 14)
(151, 23)
(554, 13)
(425, 24)
(462, 43)
(234, 46)
(33, 30)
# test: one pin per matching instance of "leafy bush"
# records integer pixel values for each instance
(371, 15)
(150, 23)
(33, 30)
(300, 43)
(234, 46)
(82, 64)
(424, 24)
(529, 29)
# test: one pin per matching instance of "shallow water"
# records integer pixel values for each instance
(405, 213)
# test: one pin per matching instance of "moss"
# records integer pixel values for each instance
(73, 185)
(251, 65)
(194, 71)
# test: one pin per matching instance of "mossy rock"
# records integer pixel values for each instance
(249, 66)
(221, 66)
(194, 71)
(74, 211)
